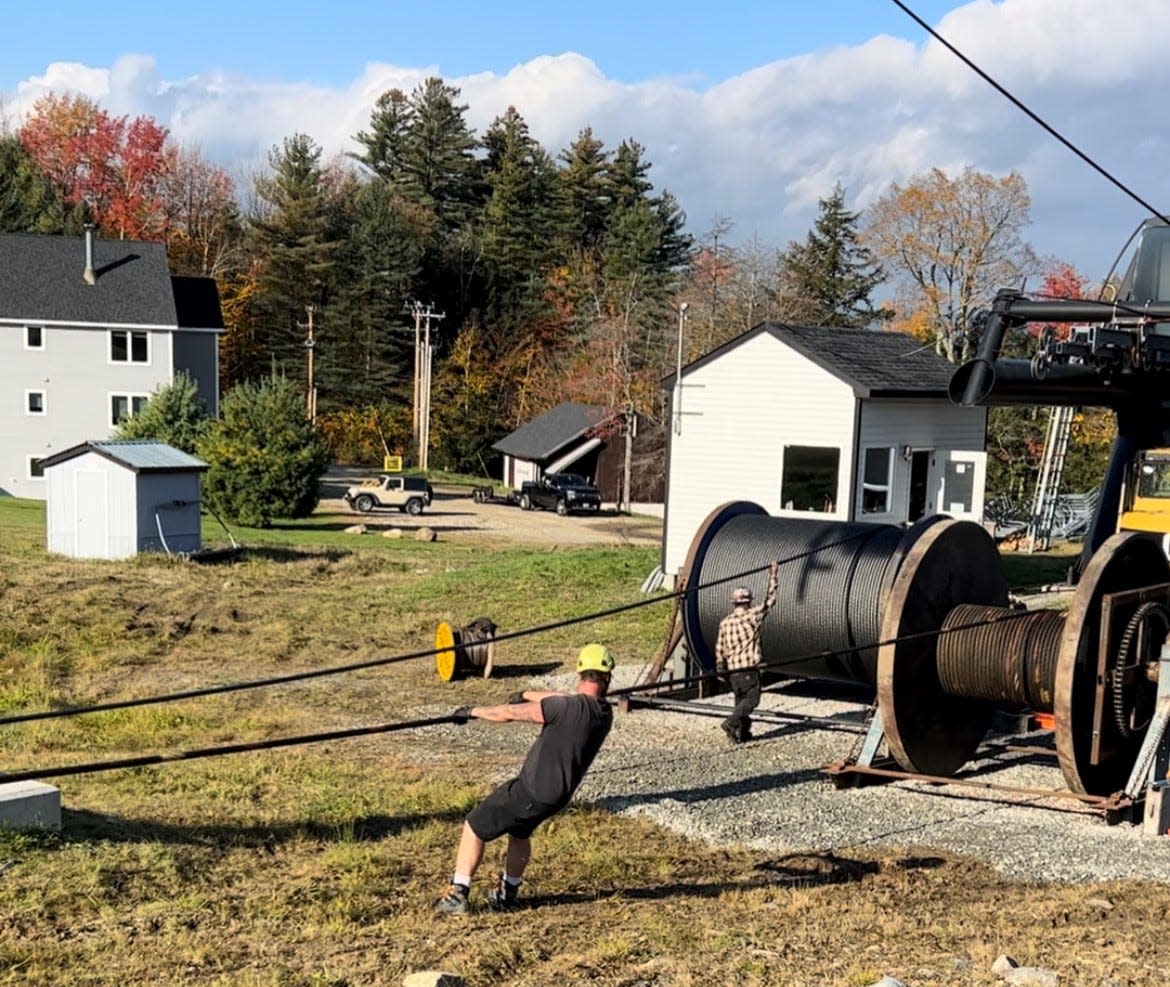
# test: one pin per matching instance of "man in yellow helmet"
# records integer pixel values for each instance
(573, 728)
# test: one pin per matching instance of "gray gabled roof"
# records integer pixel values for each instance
(539, 438)
(139, 455)
(874, 364)
(41, 281)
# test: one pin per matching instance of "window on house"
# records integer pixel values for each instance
(127, 346)
(123, 406)
(34, 402)
(35, 469)
(34, 337)
(876, 480)
(809, 482)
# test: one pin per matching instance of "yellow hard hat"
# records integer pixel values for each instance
(595, 658)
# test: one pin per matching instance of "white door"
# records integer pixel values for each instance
(91, 513)
(957, 479)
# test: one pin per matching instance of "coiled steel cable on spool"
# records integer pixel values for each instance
(827, 600)
(1010, 660)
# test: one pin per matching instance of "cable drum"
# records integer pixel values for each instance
(1010, 662)
(827, 599)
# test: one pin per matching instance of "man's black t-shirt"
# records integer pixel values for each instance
(574, 728)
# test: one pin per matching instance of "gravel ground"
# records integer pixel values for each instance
(679, 771)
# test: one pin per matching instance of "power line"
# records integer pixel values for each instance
(1035, 117)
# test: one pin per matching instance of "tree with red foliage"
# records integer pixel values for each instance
(1061, 283)
(111, 166)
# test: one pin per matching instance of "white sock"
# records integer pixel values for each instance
(513, 881)
(462, 879)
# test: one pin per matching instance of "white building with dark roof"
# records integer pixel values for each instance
(89, 328)
(846, 424)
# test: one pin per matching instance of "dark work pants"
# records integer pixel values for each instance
(745, 686)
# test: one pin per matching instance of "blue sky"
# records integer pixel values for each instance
(328, 42)
(749, 111)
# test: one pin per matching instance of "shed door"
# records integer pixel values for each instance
(957, 480)
(92, 516)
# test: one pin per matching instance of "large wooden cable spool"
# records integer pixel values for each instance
(928, 730)
(829, 593)
(951, 652)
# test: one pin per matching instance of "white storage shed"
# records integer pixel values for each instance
(843, 424)
(114, 498)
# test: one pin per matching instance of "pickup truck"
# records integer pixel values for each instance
(561, 492)
(408, 493)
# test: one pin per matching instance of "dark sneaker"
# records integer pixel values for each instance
(455, 901)
(504, 896)
(732, 732)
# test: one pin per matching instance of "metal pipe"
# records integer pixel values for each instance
(989, 344)
(1012, 382)
(1083, 310)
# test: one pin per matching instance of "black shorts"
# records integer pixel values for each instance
(509, 809)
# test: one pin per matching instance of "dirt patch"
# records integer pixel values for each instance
(454, 515)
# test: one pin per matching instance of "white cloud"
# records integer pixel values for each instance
(762, 147)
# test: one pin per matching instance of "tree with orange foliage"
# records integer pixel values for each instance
(113, 166)
(949, 243)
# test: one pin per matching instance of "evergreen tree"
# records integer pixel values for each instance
(294, 238)
(365, 350)
(175, 414)
(518, 227)
(28, 201)
(627, 175)
(585, 191)
(265, 457)
(438, 153)
(386, 141)
(830, 278)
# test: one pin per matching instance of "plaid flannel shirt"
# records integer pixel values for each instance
(738, 643)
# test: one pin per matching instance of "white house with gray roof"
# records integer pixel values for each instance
(89, 328)
(113, 499)
(842, 424)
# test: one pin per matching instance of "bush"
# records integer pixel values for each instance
(265, 455)
(175, 414)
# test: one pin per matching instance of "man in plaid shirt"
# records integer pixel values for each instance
(737, 652)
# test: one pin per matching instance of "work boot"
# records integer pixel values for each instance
(732, 731)
(455, 901)
(504, 896)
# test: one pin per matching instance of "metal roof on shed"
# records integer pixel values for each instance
(139, 455)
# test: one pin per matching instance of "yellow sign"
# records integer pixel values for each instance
(392, 464)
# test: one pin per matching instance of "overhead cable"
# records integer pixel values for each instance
(1033, 116)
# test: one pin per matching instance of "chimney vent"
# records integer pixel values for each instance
(88, 275)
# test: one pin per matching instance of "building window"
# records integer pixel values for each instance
(123, 406)
(809, 482)
(127, 346)
(34, 337)
(35, 470)
(34, 402)
(876, 480)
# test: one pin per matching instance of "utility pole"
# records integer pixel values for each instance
(682, 317)
(423, 352)
(310, 343)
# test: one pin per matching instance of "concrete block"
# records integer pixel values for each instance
(29, 805)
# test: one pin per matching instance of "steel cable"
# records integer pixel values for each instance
(146, 760)
(827, 606)
(371, 663)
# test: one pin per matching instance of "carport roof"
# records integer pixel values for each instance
(139, 455)
(539, 438)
